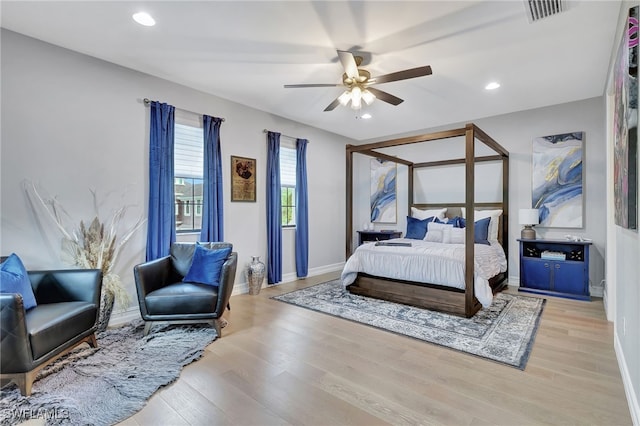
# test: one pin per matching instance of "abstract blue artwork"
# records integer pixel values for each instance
(625, 150)
(557, 180)
(383, 191)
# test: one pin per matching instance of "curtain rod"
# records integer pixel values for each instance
(282, 134)
(147, 101)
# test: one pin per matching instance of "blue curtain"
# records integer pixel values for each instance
(274, 210)
(212, 211)
(161, 229)
(302, 211)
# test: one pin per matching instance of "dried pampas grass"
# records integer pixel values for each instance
(95, 246)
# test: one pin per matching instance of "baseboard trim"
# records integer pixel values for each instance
(632, 398)
(124, 317)
(243, 288)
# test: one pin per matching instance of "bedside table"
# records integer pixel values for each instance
(568, 277)
(367, 236)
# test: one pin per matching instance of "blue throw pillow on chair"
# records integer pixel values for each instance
(206, 265)
(14, 279)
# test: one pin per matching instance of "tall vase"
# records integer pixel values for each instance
(255, 275)
(106, 308)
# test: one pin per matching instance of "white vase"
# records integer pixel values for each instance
(255, 275)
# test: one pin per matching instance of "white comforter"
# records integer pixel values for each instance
(428, 262)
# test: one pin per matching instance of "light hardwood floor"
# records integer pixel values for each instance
(278, 364)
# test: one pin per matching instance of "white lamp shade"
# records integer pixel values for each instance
(528, 217)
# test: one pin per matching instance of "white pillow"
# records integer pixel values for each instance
(438, 233)
(424, 214)
(457, 235)
(493, 224)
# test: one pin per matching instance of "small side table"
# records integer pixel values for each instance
(567, 276)
(367, 236)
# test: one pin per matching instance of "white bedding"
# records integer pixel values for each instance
(428, 262)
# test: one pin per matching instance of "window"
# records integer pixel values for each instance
(188, 171)
(288, 186)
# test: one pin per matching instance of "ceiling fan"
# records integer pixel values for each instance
(358, 82)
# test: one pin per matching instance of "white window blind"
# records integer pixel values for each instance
(188, 151)
(287, 166)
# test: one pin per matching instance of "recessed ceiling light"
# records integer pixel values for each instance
(365, 116)
(492, 86)
(143, 18)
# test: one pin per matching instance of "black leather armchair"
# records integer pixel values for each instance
(65, 316)
(164, 297)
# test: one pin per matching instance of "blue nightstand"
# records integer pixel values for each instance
(555, 267)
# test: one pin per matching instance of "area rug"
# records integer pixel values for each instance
(105, 385)
(504, 332)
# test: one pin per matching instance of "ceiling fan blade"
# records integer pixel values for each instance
(348, 63)
(385, 97)
(332, 105)
(401, 75)
(295, 86)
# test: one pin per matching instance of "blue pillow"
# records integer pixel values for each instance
(206, 265)
(457, 221)
(416, 228)
(481, 230)
(14, 279)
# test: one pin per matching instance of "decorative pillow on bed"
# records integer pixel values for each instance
(457, 222)
(438, 233)
(495, 220)
(457, 235)
(481, 230)
(416, 228)
(424, 214)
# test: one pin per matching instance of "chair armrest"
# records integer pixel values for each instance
(152, 275)
(227, 280)
(15, 349)
(67, 285)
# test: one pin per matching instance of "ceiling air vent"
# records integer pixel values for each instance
(538, 9)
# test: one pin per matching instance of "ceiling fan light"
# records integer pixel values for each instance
(344, 98)
(356, 98)
(368, 97)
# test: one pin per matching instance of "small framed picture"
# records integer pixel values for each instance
(243, 179)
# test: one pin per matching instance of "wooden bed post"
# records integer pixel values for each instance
(470, 228)
(349, 200)
(410, 188)
(505, 209)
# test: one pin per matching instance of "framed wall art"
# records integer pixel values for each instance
(557, 180)
(243, 179)
(383, 191)
(625, 127)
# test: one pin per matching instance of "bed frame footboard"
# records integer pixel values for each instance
(422, 295)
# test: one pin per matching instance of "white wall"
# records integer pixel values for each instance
(623, 265)
(515, 132)
(71, 122)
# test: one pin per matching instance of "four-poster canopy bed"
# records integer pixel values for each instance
(459, 301)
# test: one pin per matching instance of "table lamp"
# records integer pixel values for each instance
(528, 218)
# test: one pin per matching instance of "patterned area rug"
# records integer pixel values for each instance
(504, 332)
(104, 386)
